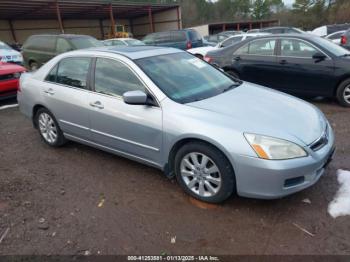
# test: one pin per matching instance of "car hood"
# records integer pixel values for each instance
(8, 68)
(5, 52)
(255, 109)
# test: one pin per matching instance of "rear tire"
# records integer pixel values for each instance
(33, 66)
(204, 172)
(48, 128)
(343, 93)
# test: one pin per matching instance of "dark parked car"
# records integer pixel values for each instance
(182, 39)
(38, 49)
(282, 30)
(299, 64)
(345, 39)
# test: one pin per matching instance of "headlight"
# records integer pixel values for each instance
(273, 148)
(17, 75)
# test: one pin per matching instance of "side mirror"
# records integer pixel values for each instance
(319, 56)
(137, 97)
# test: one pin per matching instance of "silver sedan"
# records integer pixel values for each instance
(168, 109)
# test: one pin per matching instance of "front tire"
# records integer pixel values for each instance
(343, 93)
(204, 172)
(49, 129)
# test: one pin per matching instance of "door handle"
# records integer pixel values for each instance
(97, 104)
(50, 91)
(283, 62)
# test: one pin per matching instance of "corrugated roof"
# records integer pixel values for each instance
(76, 9)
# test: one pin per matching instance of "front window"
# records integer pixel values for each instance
(297, 48)
(85, 42)
(114, 78)
(184, 78)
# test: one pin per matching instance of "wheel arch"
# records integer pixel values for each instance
(341, 80)
(34, 111)
(169, 167)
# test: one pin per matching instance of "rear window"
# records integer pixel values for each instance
(85, 42)
(178, 36)
(45, 43)
(162, 37)
(194, 35)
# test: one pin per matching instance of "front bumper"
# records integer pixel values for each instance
(270, 179)
(8, 88)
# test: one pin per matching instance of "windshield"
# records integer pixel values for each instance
(185, 78)
(4, 46)
(134, 42)
(85, 42)
(332, 47)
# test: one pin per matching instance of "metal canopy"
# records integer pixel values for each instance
(77, 9)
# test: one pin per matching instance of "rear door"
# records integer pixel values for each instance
(301, 74)
(256, 61)
(131, 129)
(195, 38)
(66, 93)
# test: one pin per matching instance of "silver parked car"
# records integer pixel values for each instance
(171, 110)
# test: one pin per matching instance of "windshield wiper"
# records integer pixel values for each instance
(345, 55)
(231, 87)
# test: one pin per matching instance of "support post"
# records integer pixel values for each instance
(178, 18)
(102, 29)
(59, 18)
(224, 27)
(131, 23)
(12, 31)
(261, 25)
(250, 26)
(111, 18)
(238, 27)
(150, 17)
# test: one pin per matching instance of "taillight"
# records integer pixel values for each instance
(189, 45)
(208, 59)
(343, 40)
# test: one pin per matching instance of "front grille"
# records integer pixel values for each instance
(6, 77)
(321, 142)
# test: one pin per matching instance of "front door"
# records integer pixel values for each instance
(131, 129)
(66, 95)
(301, 74)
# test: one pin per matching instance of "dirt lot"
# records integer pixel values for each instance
(91, 202)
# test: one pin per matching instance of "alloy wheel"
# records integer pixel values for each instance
(200, 174)
(47, 128)
(347, 94)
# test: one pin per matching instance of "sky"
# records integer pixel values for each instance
(288, 2)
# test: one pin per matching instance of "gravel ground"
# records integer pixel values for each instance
(79, 200)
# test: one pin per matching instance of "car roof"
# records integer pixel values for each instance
(63, 35)
(135, 52)
(301, 36)
(120, 38)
